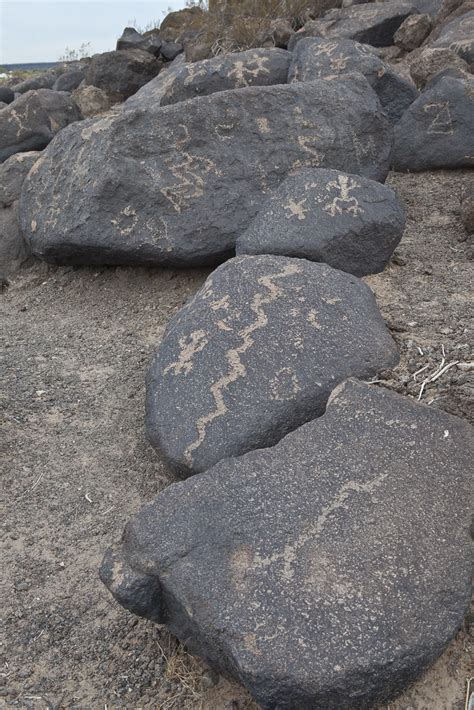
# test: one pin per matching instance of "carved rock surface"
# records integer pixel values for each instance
(346, 221)
(255, 67)
(437, 131)
(458, 35)
(12, 175)
(255, 354)
(13, 249)
(30, 122)
(430, 61)
(179, 184)
(151, 94)
(318, 58)
(327, 572)
(370, 23)
(412, 32)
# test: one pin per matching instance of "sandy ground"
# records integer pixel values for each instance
(76, 343)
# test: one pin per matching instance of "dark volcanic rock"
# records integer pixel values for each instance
(170, 50)
(91, 100)
(327, 572)
(12, 175)
(346, 221)
(6, 95)
(13, 249)
(151, 94)
(69, 80)
(412, 32)
(458, 35)
(131, 39)
(318, 58)
(255, 354)
(179, 184)
(371, 23)
(255, 67)
(437, 131)
(45, 81)
(30, 122)
(120, 74)
(424, 65)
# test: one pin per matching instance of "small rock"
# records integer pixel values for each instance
(458, 35)
(69, 80)
(6, 95)
(424, 65)
(170, 50)
(346, 221)
(131, 39)
(91, 100)
(121, 73)
(412, 32)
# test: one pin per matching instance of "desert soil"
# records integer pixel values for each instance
(76, 343)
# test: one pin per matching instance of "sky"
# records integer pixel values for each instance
(41, 30)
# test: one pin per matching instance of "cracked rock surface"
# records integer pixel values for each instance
(326, 572)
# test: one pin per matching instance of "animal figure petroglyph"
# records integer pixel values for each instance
(190, 174)
(244, 72)
(233, 356)
(126, 220)
(196, 342)
(442, 122)
(296, 209)
(343, 201)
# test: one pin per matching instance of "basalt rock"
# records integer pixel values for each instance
(326, 572)
(121, 73)
(91, 100)
(458, 35)
(69, 80)
(412, 32)
(179, 184)
(346, 221)
(255, 354)
(6, 95)
(30, 122)
(437, 131)
(424, 65)
(12, 175)
(255, 67)
(315, 58)
(151, 94)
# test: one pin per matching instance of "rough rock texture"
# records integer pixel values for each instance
(131, 39)
(6, 95)
(467, 209)
(255, 354)
(13, 249)
(152, 93)
(91, 100)
(121, 73)
(371, 23)
(187, 19)
(424, 65)
(318, 58)
(327, 572)
(179, 184)
(437, 131)
(346, 221)
(427, 7)
(12, 175)
(255, 67)
(45, 81)
(412, 32)
(30, 122)
(69, 80)
(170, 50)
(458, 35)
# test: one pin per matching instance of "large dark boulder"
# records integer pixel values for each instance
(316, 58)
(346, 221)
(178, 184)
(370, 23)
(255, 354)
(30, 122)
(327, 572)
(255, 67)
(70, 80)
(458, 35)
(12, 175)
(6, 95)
(121, 73)
(44, 81)
(429, 61)
(131, 39)
(151, 94)
(437, 131)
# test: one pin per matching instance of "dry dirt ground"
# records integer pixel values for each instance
(77, 465)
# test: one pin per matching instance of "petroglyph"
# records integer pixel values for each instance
(243, 73)
(196, 342)
(263, 124)
(313, 319)
(442, 122)
(222, 304)
(343, 201)
(126, 220)
(97, 127)
(291, 551)
(308, 142)
(296, 209)
(284, 386)
(190, 174)
(237, 368)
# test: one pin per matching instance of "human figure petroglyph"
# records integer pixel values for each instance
(296, 209)
(190, 174)
(126, 220)
(442, 123)
(233, 356)
(196, 342)
(244, 72)
(343, 201)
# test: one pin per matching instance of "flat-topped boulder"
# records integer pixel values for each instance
(437, 131)
(255, 354)
(179, 184)
(30, 122)
(255, 67)
(326, 572)
(458, 35)
(346, 221)
(369, 23)
(316, 58)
